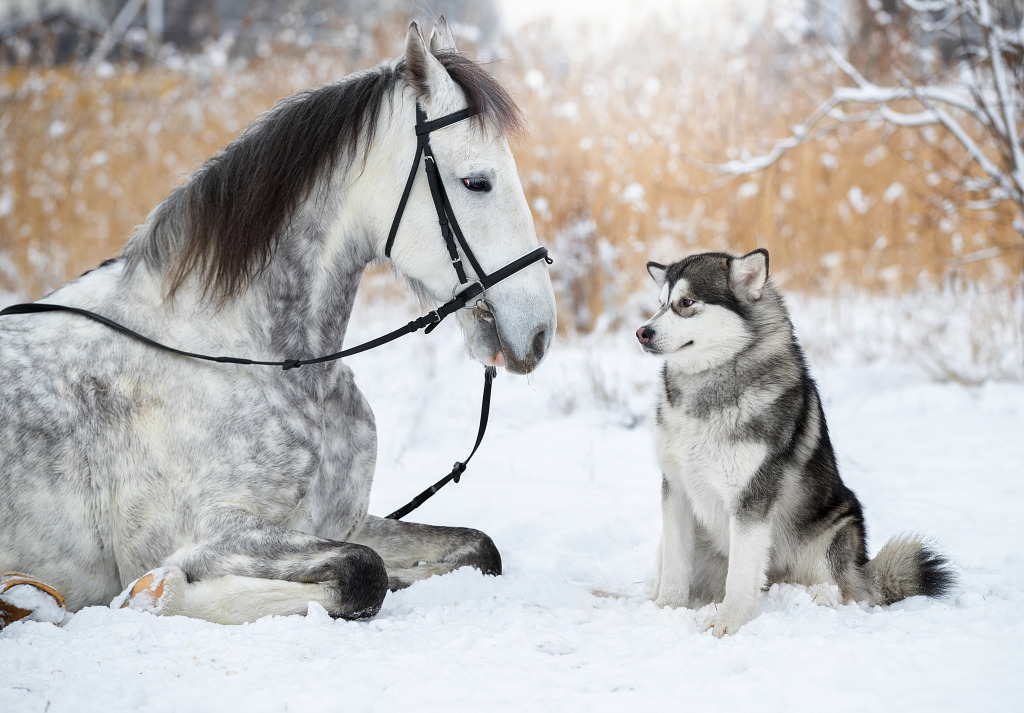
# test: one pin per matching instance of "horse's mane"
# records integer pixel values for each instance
(226, 221)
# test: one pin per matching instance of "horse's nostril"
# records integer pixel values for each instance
(540, 344)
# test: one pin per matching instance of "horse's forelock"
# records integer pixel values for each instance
(236, 207)
(484, 94)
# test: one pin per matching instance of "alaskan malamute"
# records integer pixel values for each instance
(750, 492)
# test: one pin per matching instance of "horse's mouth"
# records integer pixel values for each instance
(490, 348)
(488, 334)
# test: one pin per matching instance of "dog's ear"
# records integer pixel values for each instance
(748, 274)
(658, 272)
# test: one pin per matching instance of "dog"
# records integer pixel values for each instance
(751, 493)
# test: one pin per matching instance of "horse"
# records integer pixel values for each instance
(229, 492)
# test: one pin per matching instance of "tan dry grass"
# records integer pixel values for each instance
(83, 158)
(868, 207)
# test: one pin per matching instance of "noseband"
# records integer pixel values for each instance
(450, 232)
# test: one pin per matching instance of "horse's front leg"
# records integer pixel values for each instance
(412, 551)
(250, 568)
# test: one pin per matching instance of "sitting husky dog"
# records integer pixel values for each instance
(750, 492)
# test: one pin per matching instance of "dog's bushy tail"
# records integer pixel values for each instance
(905, 567)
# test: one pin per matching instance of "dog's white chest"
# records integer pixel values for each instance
(705, 457)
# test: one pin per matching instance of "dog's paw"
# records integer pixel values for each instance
(668, 596)
(724, 622)
(667, 601)
(826, 595)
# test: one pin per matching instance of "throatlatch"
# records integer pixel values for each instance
(453, 240)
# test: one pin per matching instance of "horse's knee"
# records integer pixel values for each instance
(480, 552)
(361, 582)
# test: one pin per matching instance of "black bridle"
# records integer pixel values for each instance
(450, 232)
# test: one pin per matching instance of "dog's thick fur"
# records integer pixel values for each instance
(751, 493)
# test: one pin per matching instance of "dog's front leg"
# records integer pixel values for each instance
(675, 555)
(749, 547)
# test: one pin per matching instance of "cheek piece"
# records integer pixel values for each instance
(451, 233)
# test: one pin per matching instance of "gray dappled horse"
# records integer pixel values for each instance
(232, 492)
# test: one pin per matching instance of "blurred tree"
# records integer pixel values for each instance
(955, 65)
(189, 23)
(61, 31)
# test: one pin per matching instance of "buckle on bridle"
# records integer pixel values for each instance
(459, 290)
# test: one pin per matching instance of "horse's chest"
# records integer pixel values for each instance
(706, 457)
(336, 496)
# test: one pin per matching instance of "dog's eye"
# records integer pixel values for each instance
(477, 184)
(686, 302)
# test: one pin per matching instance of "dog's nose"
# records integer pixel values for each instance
(644, 334)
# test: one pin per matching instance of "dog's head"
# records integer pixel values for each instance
(707, 305)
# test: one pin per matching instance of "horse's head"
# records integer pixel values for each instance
(514, 322)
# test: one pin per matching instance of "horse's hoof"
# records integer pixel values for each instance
(362, 585)
(157, 591)
(25, 597)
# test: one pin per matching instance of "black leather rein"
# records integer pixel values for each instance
(472, 289)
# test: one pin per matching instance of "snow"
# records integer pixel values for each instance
(634, 194)
(535, 80)
(567, 486)
(894, 192)
(42, 606)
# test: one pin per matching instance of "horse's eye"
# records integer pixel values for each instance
(477, 184)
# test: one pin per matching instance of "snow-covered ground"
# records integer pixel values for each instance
(567, 486)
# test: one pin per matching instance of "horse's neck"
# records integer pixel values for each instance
(306, 294)
(297, 307)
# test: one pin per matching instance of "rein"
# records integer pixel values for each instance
(450, 232)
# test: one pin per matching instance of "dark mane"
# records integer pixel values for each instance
(226, 222)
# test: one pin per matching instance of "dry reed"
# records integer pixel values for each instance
(85, 155)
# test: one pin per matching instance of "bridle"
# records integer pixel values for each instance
(450, 232)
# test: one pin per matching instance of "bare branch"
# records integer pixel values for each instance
(973, 150)
(977, 256)
(932, 6)
(982, 109)
(1002, 91)
(845, 66)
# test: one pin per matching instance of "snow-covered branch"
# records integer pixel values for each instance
(1006, 102)
(979, 101)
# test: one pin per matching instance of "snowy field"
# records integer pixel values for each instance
(567, 486)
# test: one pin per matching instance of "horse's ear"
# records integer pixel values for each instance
(441, 37)
(423, 71)
(748, 274)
